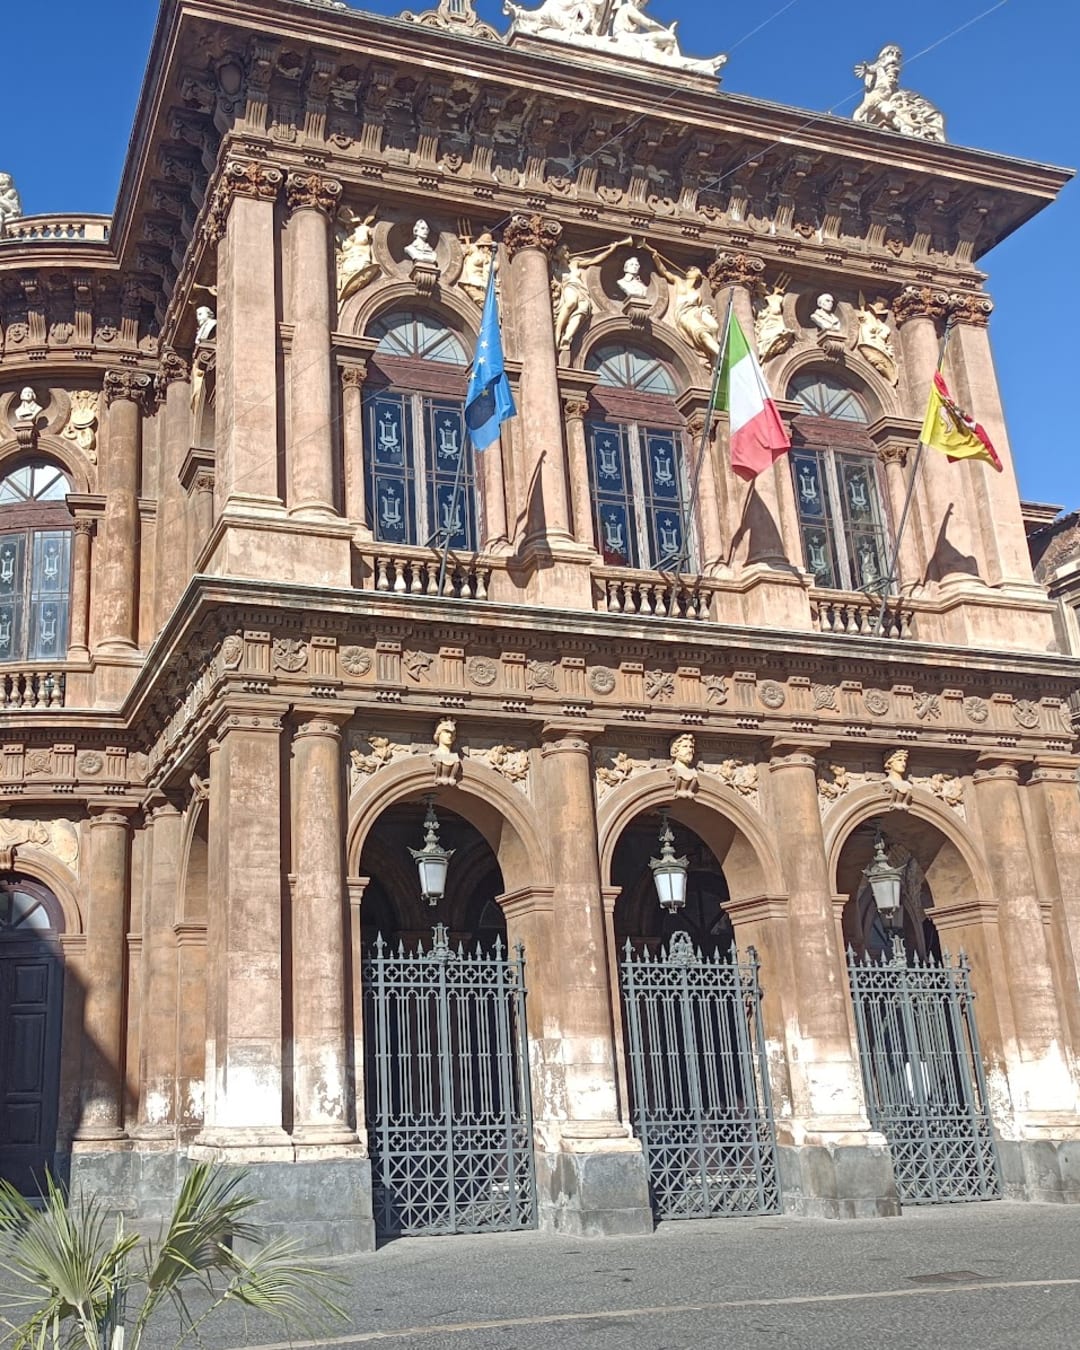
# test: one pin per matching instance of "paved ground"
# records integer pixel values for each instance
(971, 1277)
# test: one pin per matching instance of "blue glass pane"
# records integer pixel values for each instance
(858, 494)
(389, 432)
(452, 514)
(448, 428)
(817, 550)
(448, 457)
(667, 531)
(809, 487)
(12, 554)
(615, 534)
(869, 565)
(662, 466)
(609, 468)
(393, 510)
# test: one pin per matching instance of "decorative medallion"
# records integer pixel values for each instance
(824, 696)
(290, 654)
(976, 709)
(417, 664)
(1026, 714)
(38, 761)
(772, 694)
(876, 702)
(601, 679)
(541, 675)
(232, 651)
(90, 762)
(355, 660)
(716, 688)
(482, 671)
(927, 707)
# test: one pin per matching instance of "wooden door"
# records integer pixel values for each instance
(30, 1002)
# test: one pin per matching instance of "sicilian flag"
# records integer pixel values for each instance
(946, 427)
(488, 402)
(757, 434)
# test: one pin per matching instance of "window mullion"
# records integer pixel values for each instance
(638, 503)
(420, 471)
(839, 520)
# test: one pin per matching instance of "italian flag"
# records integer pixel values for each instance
(757, 434)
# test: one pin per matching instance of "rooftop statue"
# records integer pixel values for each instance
(10, 205)
(888, 106)
(618, 27)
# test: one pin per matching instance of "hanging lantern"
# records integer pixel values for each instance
(669, 872)
(884, 881)
(432, 861)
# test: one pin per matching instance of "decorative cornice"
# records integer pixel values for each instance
(312, 190)
(533, 231)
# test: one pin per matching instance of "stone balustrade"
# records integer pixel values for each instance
(858, 615)
(64, 228)
(32, 689)
(648, 594)
(417, 572)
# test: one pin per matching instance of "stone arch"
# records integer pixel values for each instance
(934, 835)
(194, 864)
(661, 341)
(64, 454)
(40, 865)
(501, 813)
(880, 397)
(361, 310)
(734, 832)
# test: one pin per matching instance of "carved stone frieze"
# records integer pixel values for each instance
(509, 761)
(382, 751)
(59, 837)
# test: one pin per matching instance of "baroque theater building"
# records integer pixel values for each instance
(344, 768)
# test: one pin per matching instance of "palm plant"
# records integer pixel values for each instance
(75, 1271)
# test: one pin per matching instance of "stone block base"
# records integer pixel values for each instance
(1045, 1170)
(820, 1181)
(593, 1194)
(325, 1204)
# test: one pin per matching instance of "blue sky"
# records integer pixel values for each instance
(1006, 84)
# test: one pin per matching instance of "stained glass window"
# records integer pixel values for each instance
(823, 396)
(636, 462)
(35, 564)
(419, 462)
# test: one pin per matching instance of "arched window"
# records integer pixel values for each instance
(35, 563)
(837, 488)
(418, 459)
(636, 461)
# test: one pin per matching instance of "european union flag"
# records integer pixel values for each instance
(489, 401)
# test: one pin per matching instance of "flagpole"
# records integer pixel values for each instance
(891, 578)
(688, 517)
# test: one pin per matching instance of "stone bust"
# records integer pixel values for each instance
(446, 759)
(825, 316)
(630, 283)
(28, 409)
(420, 250)
(206, 320)
(683, 773)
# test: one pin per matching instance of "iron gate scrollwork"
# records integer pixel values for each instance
(923, 1075)
(699, 1081)
(447, 1091)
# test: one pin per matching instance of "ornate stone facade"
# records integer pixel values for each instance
(272, 669)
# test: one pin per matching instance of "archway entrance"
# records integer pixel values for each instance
(918, 1043)
(446, 1095)
(697, 1075)
(31, 995)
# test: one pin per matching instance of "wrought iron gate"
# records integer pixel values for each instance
(699, 1082)
(923, 1075)
(447, 1088)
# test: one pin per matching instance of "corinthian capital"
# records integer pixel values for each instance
(920, 302)
(734, 269)
(971, 309)
(171, 367)
(252, 178)
(312, 190)
(532, 232)
(130, 385)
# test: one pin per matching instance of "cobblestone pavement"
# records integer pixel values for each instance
(970, 1277)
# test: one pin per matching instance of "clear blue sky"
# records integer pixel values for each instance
(1006, 84)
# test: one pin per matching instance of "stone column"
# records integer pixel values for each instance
(996, 495)
(170, 576)
(757, 526)
(158, 995)
(909, 562)
(828, 1057)
(530, 242)
(950, 541)
(1039, 1078)
(321, 1096)
(79, 642)
(201, 505)
(352, 420)
(101, 1114)
(312, 199)
(575, 409)
(244, 974)
(246, 425)
(117, 570)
